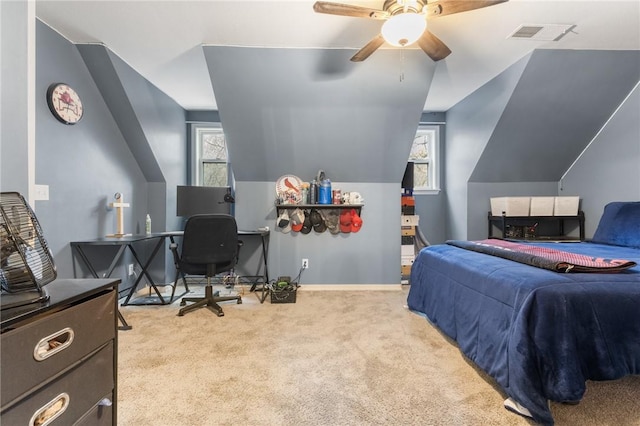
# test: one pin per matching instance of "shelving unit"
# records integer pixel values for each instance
(408, 222)
(507, 222)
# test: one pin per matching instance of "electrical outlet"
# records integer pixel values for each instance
(305, 263)
(131, 269)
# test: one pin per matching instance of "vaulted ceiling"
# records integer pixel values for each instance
(163, 40)
(292, 102)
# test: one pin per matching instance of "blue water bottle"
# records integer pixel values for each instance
(324, 193)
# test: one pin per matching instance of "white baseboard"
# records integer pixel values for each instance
(350, 287)
(166, 288)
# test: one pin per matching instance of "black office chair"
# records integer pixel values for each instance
(210, 246)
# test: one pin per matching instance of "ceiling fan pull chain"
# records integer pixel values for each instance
(401, 65)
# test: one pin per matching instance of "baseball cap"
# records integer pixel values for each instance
(317, 221)
(283, 222)
(356, 221)
(331, 219)
(345, 221)
(306, 225)
(297, 216)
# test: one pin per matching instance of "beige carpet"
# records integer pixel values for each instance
(331, 358)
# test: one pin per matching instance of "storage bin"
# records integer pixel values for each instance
(542, 206)
(566, 206)
(511, 206)
(285, 295)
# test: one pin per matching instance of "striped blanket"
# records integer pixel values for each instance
(542, 257)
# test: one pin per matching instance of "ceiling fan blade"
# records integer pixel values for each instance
(366, 51)
(433, 46)
(449, 7)
(349, 10)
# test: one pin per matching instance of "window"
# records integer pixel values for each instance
(211, 166)
(424, 154)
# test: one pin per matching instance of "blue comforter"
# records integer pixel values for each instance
(540, 334)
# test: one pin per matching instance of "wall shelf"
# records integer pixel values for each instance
(281, 207)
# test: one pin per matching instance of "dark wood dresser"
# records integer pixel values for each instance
(59, 358)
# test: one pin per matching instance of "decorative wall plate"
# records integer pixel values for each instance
(288, 189)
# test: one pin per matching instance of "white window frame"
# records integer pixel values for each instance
(433, 160)
(197, 161)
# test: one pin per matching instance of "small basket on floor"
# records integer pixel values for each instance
(284, 294)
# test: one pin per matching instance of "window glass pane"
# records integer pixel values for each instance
(213, 146)
(420, 148)
(214, 174)
(424, 155)
(421, 175)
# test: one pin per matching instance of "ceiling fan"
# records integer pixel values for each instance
(405, 22)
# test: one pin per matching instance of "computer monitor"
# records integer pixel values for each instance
(192, 200)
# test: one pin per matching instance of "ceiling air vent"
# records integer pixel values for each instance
(541, 32)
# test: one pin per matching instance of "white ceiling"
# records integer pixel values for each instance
(161, 39)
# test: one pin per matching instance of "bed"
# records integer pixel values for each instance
(540, 334)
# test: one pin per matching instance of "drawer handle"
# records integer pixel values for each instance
(53, 344)
(105, 402)
(51, 411)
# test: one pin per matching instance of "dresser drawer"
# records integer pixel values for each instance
(100, 415)
(41, 349)
(71, 396)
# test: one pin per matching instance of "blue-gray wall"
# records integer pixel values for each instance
(519, 133)
(470, 125)
(371, 256)
(302, 110)
(85, 164)
(294, 114)
(609, 168)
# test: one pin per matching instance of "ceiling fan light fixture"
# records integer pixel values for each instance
(404, 29)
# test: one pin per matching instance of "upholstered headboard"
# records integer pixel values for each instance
(619, 224)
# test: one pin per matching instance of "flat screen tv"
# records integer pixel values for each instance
(192, 200)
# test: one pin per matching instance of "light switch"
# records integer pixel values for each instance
(41, 192)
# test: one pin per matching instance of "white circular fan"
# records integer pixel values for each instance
(289, 189)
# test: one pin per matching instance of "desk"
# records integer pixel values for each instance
(128, 242)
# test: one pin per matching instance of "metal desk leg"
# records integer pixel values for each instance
(145, 272)
(115, 260)
(125, 326)
(265, 275)
(265, 255)
(78, 250)
(132, 290)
